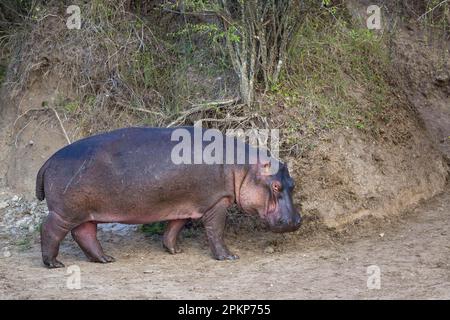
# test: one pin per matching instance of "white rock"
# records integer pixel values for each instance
(269, 250)
(3, 204)
(6, 253)
(24, 222)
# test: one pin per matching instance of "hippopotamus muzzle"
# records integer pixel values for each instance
(289, 224)
(287, 218)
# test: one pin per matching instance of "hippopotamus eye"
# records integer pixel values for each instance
(276, 186)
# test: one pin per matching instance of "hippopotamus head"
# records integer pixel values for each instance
(269, 195)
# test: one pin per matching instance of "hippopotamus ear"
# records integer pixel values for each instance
(265, 168)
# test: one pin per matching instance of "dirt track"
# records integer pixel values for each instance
(413, 253)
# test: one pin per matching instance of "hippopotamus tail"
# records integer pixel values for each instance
(40, 193)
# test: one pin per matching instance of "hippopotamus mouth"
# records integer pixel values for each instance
(285, 227)
(284, 223)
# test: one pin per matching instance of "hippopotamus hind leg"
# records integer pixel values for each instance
(171, 235)
(86, 236)
(53, 231)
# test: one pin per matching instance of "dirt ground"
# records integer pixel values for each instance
(412, 252)
(358, 177)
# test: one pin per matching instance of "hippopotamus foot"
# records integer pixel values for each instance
(53, 231)
(171, 235)
(103, 259)
(173, 250)
(214, 221)
(51, 264)
(86, 236)
(227, 256)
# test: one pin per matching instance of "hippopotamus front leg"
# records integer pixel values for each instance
(86, 236)
(214, 222)
(171, 235)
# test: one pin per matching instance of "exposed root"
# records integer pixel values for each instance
(201, 108)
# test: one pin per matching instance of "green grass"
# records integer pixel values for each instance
(153, 229)
(24, 243)
(158, 228)
(337, 73)
(437, 15)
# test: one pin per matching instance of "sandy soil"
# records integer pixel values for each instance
(412, 252)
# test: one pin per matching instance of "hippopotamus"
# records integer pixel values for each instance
(128, 176)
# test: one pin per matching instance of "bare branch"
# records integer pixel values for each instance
(42, 109)
(432, 9)
(61, 125)
(202, 107)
